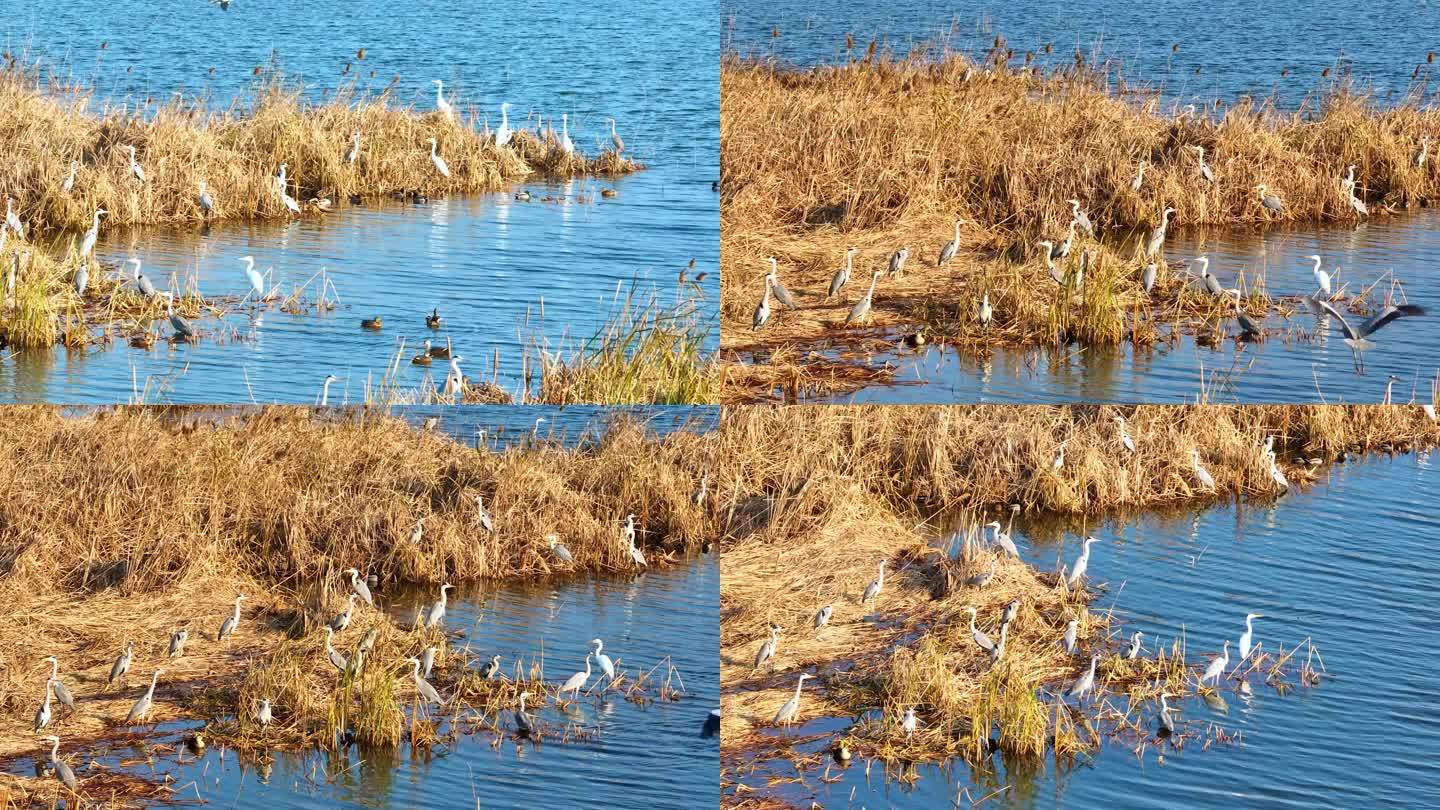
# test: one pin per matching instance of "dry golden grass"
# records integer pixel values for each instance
(888, 151)
(130, 524)
(46, 124)
(814, 497)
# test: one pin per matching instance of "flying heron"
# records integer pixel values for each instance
(1357, 337)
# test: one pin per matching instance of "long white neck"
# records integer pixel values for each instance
(153, 680)
(798, 684)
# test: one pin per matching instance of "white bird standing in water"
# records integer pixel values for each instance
(440, 164)
(257, 281)
(454, 380)
(1249, 634)
(565, 142)
(1322, 278)
(207, 203)
(1217, 666)
(440, 103)
(87, 244)
(1081, 563)
(576, 682)
(437, 610)
(791, 710)
(1206, 480)
(607, 667)
(135, 170)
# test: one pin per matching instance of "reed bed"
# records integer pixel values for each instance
(814, 498)
(133, 523)
(236, 151)
(889, 150)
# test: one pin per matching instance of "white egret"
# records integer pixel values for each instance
(263, 714)
(1147, 277)
(1322, 278)
(1217, 665)
(437, 610)
(87, 243)
(576, 682)
(257, 281)
(1206, 480)
(12, 219)
(440, 103)
(565, 142)
(502, 135)
(1081, 563)
(985, 311)
(427, 660)
(1249, 634)
(135, 170)
(607, 667)
(440, 164)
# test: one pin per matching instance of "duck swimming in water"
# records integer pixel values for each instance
(423, 358)
(442, 352)
(372, 323)
(433, 319)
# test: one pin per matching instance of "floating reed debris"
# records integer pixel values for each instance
(866, 155)
(131, 524)
(233, 155)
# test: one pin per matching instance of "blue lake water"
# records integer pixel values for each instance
(491, 264)
(1343, 563)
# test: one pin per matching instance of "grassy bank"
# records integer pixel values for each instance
(132, 524)
(816, 497)
(46, 124)
(889, 151)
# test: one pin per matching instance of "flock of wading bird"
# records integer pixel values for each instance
(1001, 545)
(257, 292)
(348, 667)
(1069, 274)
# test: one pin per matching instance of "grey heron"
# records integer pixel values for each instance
(1357, 337)
(861, 311)
(1205, 171)
(897, 262)
(358, 585)
(145, 704)
(565, 142)
(82, 280)
(423, 686)
(427, 660)
(1217, 665)
(998, 651)
(63, 771)
(524, 724)
(440, 165)
(207, 203)
(368, 642)
(1082, 219)
(1423, 153)
(62, 693)
(1133, 651)
(342, 621)
(1072, 630)
(354, 151)
(762, 310)
(177, 643)
(289, 202)
(615, 139)
(791, 710)
(87, 243)
(336, 659)
(983, 578)
(842, 276)
(1086, 682)
(491, 670)
(1276, 475)
(1048, 248)
(1012, 609)
(1002, 539)
(441, 103)
(1124, 435)
(122, 663)
(1249, 634)
(575, 682)
(1270, 202)
(872, 591)
(985, 310)
(909, 723)
(781, 292)
(69, 184)
(182, 327)
(951, 248)
(607, 667)
(142, 282)
(232, 622)
(1167, 725)
(1139, 177)
(1322, 278)
(1062, 249)
(1157, 236)
(503, 133)
(483, 515)
(1211, 284)
(263, 714)
(1249, 329)
(44, 715)
(1359, 206)
(1147, 277)
(558, 548)
(1081, 563)
(822, 616)
(1206, 480)
(1389, 388)
(135, 170)
(768, 647)
(437, 610)
(978, 635)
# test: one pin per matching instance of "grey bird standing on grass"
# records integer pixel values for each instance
(232, 621)
(359, 586)
(142, 707)
(762, 310)
(782, 294)
(558, 548)
(861, 311)
(122, 663)
(872, 591)
(1157, 236)
(1067, 641)
(768, 647)
(979, 637)
(842, 276)
(822, 617)
(897, 262)
(67, 700)
(1086, 682)
(177, 643)
(336, 659)
(1081, 564)
(791, 710)
(422, 686)
(951, 248)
